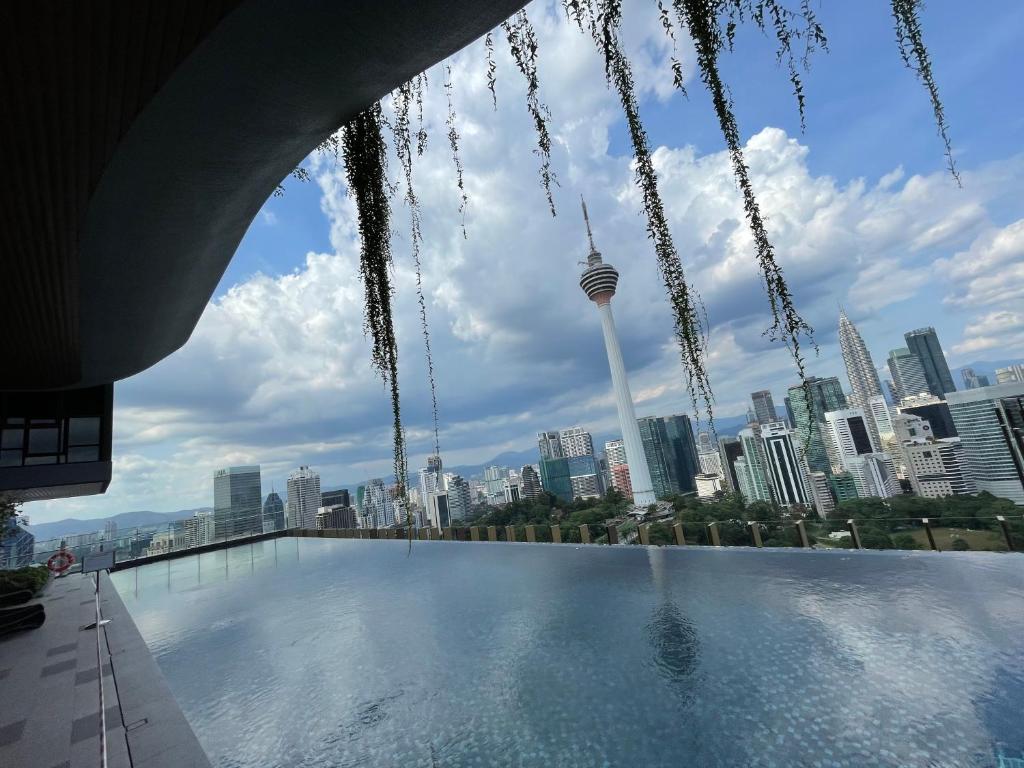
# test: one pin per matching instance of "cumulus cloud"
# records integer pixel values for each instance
(277, 371)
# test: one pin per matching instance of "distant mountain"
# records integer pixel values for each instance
(73, 526)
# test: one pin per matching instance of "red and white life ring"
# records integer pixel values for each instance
(59, 562)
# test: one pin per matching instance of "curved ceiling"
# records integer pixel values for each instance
(141, 138)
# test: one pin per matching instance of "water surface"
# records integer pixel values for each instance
(327, 652)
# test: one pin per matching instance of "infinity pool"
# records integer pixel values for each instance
(327, 652)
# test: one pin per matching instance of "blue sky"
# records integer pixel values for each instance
(860, 208)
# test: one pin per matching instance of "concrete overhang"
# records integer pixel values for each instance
(140, 139)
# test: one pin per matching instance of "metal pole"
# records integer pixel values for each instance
(1006, 532)
(929, 534)
(99, 671)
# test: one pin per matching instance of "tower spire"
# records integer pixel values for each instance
(586, 219)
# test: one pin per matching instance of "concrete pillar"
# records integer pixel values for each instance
(510, 533)
(928, 532)
(474, 533)
(492, 533)
(802, 533)
(851, 525)
(677, 532)
(1006, 532)
(713, 536)
(585, 534)
(644, 534)
(556, 534)
(531, 534)
(755, 533)
(447, 534)
(613, 534)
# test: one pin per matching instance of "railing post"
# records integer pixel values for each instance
(928, 532)
(510, 533)
(644, 534)
(424, 534)
(584, 534)
(854, 533)
(556, 534)
(474, 533)
(677, 531)
(755, 533)
(802, 533)
(1006, 532)
(492, 533)
(613, 534)
(446, 533)
(531, 534)
(713, 535)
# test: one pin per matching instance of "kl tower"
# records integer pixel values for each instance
(598, 281)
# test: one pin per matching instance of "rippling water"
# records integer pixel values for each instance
(325, 652)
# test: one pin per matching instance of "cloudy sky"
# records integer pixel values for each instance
(860, 208)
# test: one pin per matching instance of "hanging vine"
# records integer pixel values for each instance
(522, 43)
(403, 99)
(453, 142)
(915, 57)
(365, 153)
(492, 68)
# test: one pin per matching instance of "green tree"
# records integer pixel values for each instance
(959, 545)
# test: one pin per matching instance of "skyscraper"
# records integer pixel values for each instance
(786, 468)
(934, 410)
(531, 482)
(683, 453)
(809, 403)
(378, 510)
(1010, 374)
(972, 380)
(907, 373)
(860, 370)
(549, 445)
(924, 343)
(752, 466)
(990, 422)
(237, 501)
(339, 497)
(303, 498)
(431, 476)
(599, 282)
(764, 406)
(615, 452)
(854, 450)
(460, 498)
(576, 441)
(554, 476)
(938, 468)
(273, 513)
(730, 449)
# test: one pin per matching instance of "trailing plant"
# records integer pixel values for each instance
(492, 68)
(522, 44)
(365, 153)
(453, 142)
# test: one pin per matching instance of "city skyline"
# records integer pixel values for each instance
(860, 210)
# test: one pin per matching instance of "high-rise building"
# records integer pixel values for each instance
(337, 497)
(730, 449)
(708, 485)
(200, 529)
(16, 545)
(110, 530)
(554, 476)
(973, 380)
(764, 406)
(786, 470)
(615, 451)
(934, 411)
(753, 477)
(620, 480)
(710, 463)
(303, 498)
(334, 516)
(1011, 373)
(273, 513)
(704, 442)
(494, 482)
(809, 403)
(431, 476)
(990, 423)
(844, 487)
(907, 373)
(599, 281)
(460, 498)
(854, 450)
(512, 489)
(584, 477)
(821, 493)
(378, 509)
(438, 510)
(874, 474)
(937, 468)
(683, 451)
(531, 482)
(670, 453)
(860, 369)
(576, 441)
(549, 445)
(237, 501)
(924, 343)
(881, 416)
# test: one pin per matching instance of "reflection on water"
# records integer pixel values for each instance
(320, 652)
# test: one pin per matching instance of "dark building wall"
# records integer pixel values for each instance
(938, 415)
(925, 344)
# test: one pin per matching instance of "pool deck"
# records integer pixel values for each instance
(49, 694)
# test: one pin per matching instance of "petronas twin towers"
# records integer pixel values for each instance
(860, 369)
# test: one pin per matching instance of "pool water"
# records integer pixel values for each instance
(333, 652)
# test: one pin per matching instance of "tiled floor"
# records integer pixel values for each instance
(49, 711)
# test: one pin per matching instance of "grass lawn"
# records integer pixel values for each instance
(984, 540)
